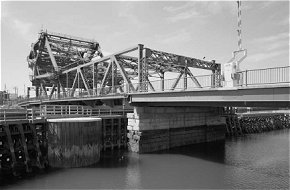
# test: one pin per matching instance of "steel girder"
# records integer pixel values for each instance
(58, 62)
(53, 53)
(171, 62)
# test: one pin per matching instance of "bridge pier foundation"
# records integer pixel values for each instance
(158, 128)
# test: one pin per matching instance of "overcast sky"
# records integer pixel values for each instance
(196, 29)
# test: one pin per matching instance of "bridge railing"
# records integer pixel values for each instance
(78, 111)
(268, 76)
(110, 112)
(167, 85)
(65, 110)
(17, 115)
(13, 115)
(255, 77)
(57, 111)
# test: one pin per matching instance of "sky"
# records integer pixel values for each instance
(192, 28)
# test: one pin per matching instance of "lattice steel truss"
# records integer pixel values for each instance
(69, 66)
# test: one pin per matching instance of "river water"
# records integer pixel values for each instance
(256, 161)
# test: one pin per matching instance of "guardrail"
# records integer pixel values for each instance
(57, 111)
(277, 75)
(185, 83)
(65, 110)
(78, 111)
(13, 114)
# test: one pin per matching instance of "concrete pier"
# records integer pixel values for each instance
(158, 128)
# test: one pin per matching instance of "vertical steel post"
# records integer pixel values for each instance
(40, 91)
(162, 81)
(213, 75)
(246, 77)
(113, 76)
(67, 91)
(78, 82)
(185, 78)
(96, 79)
(217, 75)
(140, 69)
(58, 90)
(94, 85)
(37, 91)
(28, 92)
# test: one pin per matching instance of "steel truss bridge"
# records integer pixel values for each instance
(69, 68)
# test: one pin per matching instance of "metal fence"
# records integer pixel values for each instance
(277, 75)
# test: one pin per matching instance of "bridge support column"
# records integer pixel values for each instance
(158, 128)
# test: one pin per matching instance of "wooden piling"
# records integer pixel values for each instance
(74, 142)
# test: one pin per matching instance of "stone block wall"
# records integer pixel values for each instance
(157, 128)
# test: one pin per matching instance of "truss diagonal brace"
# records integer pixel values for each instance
(193, 78)
(84, 81)
(52, 91)
(124, 75)
(62, 88)
(74, 83)
(176, 81)
(150, 85)
(55, 66)
(105, 77)
(43, 89)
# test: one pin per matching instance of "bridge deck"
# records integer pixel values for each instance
(267, 96)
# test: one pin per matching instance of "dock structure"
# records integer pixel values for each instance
(23, 141)
(58, 136)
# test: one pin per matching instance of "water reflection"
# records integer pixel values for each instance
(113, 159)
(133, 178)
(214, 151)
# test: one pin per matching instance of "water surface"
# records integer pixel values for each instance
(256, 161)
